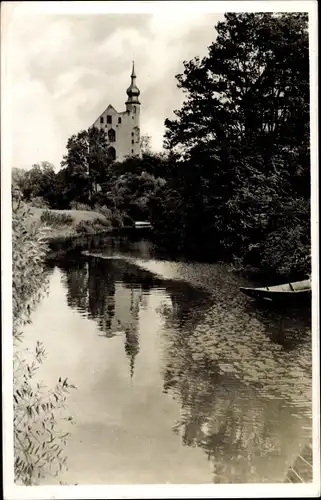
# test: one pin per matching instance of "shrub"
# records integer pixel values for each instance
(56, 219)
(85, 227)
(93, 226)
(38, 445)
(39, 202)
(105, 211)
(76, 205)
(100, 222)
(288, 250)
(28, 245)
(117, 219)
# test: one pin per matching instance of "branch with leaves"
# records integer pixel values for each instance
(39, 413)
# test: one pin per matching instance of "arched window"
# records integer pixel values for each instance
(112, 135)
(134, 108)
(112, 153)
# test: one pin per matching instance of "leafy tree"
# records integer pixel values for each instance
(38, 182)
(254, 82)
(130, 193)
(132, 183)
(151, 163)
(85, 165)
(243, 135)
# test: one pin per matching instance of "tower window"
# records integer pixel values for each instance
(101, 119)
(132, 117)
(119, 120)
(134, 109)
(112, 135)
(132, 134)
(132, 151)
(109, 119)
(132, 141)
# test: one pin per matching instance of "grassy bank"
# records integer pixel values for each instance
(74, 230)
(69, 229)
(69, 223)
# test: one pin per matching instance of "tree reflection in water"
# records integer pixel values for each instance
(75, 278)
(111, 291)
(97, 288)
(224, 407)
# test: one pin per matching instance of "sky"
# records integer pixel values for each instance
(63, 69)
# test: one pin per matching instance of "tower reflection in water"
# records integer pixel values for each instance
(107, 291)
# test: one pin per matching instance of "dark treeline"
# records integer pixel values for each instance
(234, 182)
(242, 183)
(89, 179)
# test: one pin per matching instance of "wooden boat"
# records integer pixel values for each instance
(294, 290)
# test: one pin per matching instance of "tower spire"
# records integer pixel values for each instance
(133, 91)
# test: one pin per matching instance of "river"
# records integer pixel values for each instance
(180, 378)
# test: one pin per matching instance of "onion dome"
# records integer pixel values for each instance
(133, 91)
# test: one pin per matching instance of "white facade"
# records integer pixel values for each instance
(123, 128)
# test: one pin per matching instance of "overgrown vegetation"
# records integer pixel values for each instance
(92, 226)
(39, 412)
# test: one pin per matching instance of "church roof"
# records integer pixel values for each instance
(110, 107)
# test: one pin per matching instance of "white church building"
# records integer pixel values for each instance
(123, 128)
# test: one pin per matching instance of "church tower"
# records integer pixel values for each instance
(123, 128)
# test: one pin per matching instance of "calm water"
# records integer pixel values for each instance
(180, 378)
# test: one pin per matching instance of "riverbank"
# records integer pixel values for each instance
(66, 223)
(60, 244)
(262, 276)
(69, 229)
(76, 230)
